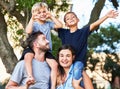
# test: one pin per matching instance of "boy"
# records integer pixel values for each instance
(77, 38)
(38, 22)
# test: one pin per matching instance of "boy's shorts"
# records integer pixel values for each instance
(77, 71)
(29, 50)
(49, 55)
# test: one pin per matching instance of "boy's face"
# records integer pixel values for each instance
(71, 20)
(41, 14)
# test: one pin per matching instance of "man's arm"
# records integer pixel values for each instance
(16, 77)
(13, 85)
(110, 14)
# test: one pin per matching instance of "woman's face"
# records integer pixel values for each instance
(66, 58)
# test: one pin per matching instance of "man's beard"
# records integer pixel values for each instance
(44, 49)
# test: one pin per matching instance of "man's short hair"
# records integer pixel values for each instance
(31, 38)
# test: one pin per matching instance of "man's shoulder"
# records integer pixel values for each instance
(20, 63)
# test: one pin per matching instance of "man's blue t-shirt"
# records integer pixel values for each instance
(41, 73)
(78, 40)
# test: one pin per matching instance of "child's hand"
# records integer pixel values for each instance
(112, 14)
(35, 16)
(30, 81)
(49, 15)
(76, 83)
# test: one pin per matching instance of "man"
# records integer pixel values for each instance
(41, 71)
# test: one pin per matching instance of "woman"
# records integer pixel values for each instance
(65, 79)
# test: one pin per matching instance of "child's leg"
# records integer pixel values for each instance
(28, 55)
(28, 63)
(77, 71)
(87, 81)
(53, 65)
(78, 68)
(54, 68)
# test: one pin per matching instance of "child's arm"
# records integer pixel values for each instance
(58, 24)
(110, 14)
(29, 27)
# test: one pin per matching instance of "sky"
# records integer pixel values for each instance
(83, 9)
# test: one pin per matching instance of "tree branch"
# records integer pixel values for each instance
(8, 6)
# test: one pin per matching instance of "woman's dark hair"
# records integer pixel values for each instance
(67, 46)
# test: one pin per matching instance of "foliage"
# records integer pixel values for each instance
(107, 39)
(21, 4)
(112, 66)
(52, 4)
(56, 42)
(15, 31)
(2, 86)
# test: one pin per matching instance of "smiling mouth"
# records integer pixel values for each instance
(64, 62)
(71, 21)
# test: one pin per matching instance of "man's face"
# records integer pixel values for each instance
(42, 43)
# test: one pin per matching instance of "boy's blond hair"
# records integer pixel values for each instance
(38, 5)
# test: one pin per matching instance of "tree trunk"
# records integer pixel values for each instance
(96, 11)
(7, 55)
